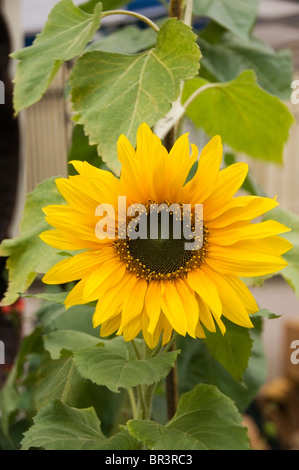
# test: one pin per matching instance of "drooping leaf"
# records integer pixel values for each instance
(71, 340)
(27, 253)
(246, 117)
(232, 350)
(60, 427)
(114, 93)
(237, 16)
(205, 420)
(64, 37)
(57, 379)
(196, 364)
(114, 364)
(232, 55)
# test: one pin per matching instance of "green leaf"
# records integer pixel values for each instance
(81, 150)
(291, 272)
(196, 364)
(205, 420)
(142, 86)
(127, 40)
(56, 317)
(60, 427)
(28, 254)
(232, 349)
(89, 6)
(246, 117)
(64, 37)
(57, 298)
(9, 401)
(57, 380)
(233, 55)
(115, 365)
(237, 16)
(69, 340)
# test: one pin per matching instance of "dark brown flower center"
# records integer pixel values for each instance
(166, 256)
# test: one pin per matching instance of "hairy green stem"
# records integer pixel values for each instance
(134, 407)
(140, 17)
(176, 9)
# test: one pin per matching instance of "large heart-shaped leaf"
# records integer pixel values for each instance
(59, 427)
(114, 364)
(237, 16)
(64, 37)
(248, 119)
(205, 420)
(114, 93)
(27, 253)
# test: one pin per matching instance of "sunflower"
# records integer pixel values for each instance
(155, 285)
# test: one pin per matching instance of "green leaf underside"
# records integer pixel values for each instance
(60, 427)
(114, 364)
(57, 380)
(28, 254)
(127, 40)
(250, 120)
(113, 93)
(232, 350)
(89, 6)
(205, 420)
(227, 59)
(64, 37)
(70, 340)
(237, 16)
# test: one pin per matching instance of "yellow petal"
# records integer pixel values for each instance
(233, 308)
(111, 303)
(74, 268)
(240, 260)
(75, 297)
(205, 315)
(153, 301)
(110, 326)
(204, 286)
(238, 209)
(173, 308)
(151, 339)
(229, 181)
(179, 157)
(131, 330)
(243, 293)
(133, 301)
(167, 331)
(110, 272)
(63, 241)
(200, 187)
(247, 231)
(190, 305)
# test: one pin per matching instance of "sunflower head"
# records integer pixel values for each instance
(171, 249)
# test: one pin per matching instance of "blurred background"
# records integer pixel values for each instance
(35, 146)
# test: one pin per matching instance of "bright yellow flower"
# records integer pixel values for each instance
(154, 285)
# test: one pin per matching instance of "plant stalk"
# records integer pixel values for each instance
(172, 395)
(176, 9)
(140, 17)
